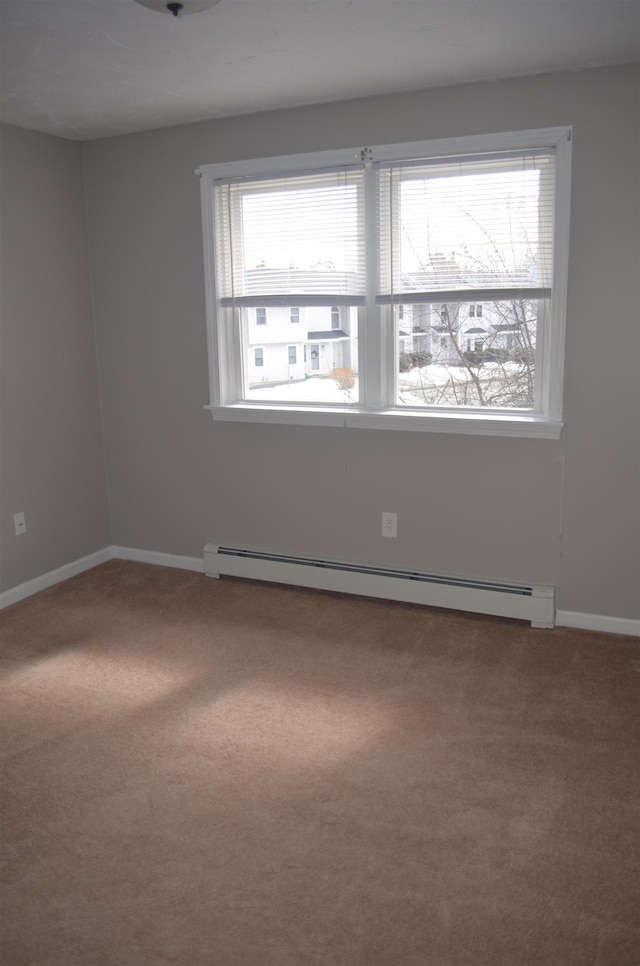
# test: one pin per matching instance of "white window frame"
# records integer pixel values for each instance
(376, 408)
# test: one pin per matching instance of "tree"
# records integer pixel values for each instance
(493, 368)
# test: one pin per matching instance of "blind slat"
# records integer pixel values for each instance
(456, 225)
(291, 300)
(463, 295)
(292, 237)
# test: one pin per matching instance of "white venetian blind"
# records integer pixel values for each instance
(291, 240)
(458, 230)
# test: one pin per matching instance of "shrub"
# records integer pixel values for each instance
(344, 378)
(411, 360)
(497, 355)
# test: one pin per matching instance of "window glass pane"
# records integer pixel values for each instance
(448, 357)
(320, 368)
(296, 234)
(441, 252)
(467, 225)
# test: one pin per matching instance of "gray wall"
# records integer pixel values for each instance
(482, 506)
(486, 506)
(52, 454)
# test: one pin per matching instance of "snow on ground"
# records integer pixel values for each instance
(316, 389)
(322, 390)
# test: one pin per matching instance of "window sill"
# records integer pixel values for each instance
(467, 424)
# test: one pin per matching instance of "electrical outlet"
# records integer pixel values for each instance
(389, 524)
(19, 523)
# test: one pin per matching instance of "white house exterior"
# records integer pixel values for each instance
(447, 330)
(505, 331)
(288, 343)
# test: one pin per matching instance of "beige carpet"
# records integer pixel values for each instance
(224, 773)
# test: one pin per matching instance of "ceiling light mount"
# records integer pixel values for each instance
(177, 7)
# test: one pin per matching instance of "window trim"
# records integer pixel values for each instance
(225, 364)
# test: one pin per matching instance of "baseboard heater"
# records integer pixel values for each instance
(530, 603)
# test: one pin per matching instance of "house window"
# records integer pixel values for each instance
(258, 356)
(481, 216)
(294, 314)
(293, 355)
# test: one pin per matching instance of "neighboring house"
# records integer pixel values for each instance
(462, 327)
(497, 330)
(505, 330)
(502, 331)
(287, 343)
(414, 328)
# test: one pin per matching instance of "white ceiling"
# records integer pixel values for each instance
(86, 69)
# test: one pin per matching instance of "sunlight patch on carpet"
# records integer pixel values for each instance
(291, 723)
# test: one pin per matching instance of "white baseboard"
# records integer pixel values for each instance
(564, 618)
(158, 559)
(56, 576)
(597, 622)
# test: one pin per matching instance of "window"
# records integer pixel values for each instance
(258, 356)
(293, 355)
(362, 239)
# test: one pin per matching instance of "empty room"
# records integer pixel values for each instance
(320, 490)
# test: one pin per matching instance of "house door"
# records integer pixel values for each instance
(315, 358)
